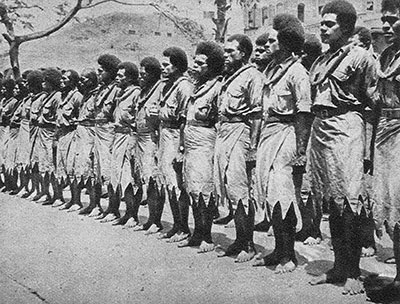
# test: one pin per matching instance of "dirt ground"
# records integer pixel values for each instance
(52, 256)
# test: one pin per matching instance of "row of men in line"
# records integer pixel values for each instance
(227, 137)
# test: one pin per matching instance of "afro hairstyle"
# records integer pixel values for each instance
(364, 35)
(290, 32)
(245, 44)
(73, 77)
(262, 39)
(131, 70)
(8, 84)
(151, 66)
(390, 5)
(215, 56)
(53, 77)
(109, 63)
(177, 57)
(35, 79)
(312, 45)
(345, 12)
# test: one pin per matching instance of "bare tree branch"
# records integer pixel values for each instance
(114, 1)
(54, 28)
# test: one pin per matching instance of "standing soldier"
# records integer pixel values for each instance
(281, 153)
(236, 143)
(200, 134)
(125, 141)
(176, 94)
(85, 134)
(386, 185)
(146, 174)
(342, 79)
(261, 54)
(9, 105)
(34, 100)
(104, 109)
(43, 120)
(67, 113)
(12, 148)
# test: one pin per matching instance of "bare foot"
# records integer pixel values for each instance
(231, 224)
(95, 212)
(74, 207)
(367, 252)
(131, 223)
(259, 260)
(177, 237)
(288, 267)
(184, 243)
(244, 256)
(353, 287)
(270, 231)
(322, 279)
(30, 197)
(57, 203)
(109, 218)
(152, 230)
(21, 193)
(391, 260)
(310, 241)
(42, 199)
(206, 247)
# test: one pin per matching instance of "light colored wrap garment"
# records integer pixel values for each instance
(172, 109)
(43, 132)
(125, 137)
(286, 92)
(67, 114)
(336, 153)
(386, 181)
(104, 131)
(200, 135)
(240, 98)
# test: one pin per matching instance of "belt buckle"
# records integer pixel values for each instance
(324, 113)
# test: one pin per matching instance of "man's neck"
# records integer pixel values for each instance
(236, 67)
(333, 47)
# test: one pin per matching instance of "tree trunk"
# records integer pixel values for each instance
(14, 58)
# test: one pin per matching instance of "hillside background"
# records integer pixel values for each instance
(130, 36)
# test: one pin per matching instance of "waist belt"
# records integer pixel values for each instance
(170, 124)
(231, 119)
(124, 130)
(43, 125)
(280, 118)
(15, 124)
(199, 123)
(391, 113)
(66, 129)
(328, 112)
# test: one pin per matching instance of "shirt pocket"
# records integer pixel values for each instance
(281, 101)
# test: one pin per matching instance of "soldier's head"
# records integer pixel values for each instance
(174, 62)
(362, 37)
(260, 50)
(35, 81)
(108, 68)
(8, 85)
(127, 74)
(391, 21)
(69, 80)
(88, 80)
(290, 33)
(208, 61)
(312, 49)
(237, 51)
(51, 80)
(20, 89)
(150, 71)
(337, 25)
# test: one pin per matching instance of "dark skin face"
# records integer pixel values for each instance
(234, 58)
(66, 83)
(390, 27)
